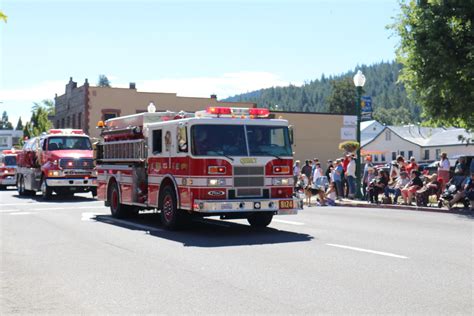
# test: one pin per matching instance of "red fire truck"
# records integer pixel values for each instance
(227, 162)
(59, 161)
(7, 168)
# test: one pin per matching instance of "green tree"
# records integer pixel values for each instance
(3, 17)
(19, 125)
(343, 96)
(39, 121)
(4, 122)
(103, 81)
(437, 52)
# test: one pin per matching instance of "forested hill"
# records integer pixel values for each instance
(389, 98)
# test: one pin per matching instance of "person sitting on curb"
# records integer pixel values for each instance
(378, 186)
(396, 189)
(414, 185)
(467, 191)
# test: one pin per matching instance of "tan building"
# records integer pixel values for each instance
(316, 134)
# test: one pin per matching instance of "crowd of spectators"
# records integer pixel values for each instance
(404, 179)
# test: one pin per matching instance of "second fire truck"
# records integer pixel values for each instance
(60, 161)
(227, 162)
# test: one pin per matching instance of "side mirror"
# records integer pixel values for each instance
(291, 130)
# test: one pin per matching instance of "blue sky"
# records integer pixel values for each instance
(193, 48)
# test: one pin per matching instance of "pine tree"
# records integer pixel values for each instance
(19, 125)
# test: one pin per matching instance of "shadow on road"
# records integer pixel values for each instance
(55, 198)
(207, 232)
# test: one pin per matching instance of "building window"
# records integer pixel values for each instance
(382, 157)
(427, 154)
(79, 120)
(57, 124)
(394, 155)
(376, 158)
(388, 135)
(62, 123)
(402, 153)
(3, 141)
(68, 122)
(410, 153)
(109, 114)
(73, 121)
(438, 153)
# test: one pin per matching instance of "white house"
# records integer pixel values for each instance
(423, 143)
(370, 129)
(9, 138)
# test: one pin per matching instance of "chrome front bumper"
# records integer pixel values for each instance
(254, 205)
(71, 182)
(8, 180)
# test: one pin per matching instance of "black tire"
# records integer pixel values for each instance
(172, 218)
(20, 186)
(3, 187)
(46, 191)
(260, 220)
(117, 209)
(94, 192)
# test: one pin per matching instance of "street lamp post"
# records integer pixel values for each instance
(359, 81)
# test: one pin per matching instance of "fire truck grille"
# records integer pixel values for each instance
(81, 163)
(249, 176)
(248, 182)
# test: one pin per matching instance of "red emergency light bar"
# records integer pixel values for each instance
(219, 110)
(235, 112)
(66, 131)
(260, 112)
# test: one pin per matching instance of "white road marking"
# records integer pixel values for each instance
(139, 226)
(45, 203)
(7, 211)
(369, 251)
(288, 222)
(22, 213)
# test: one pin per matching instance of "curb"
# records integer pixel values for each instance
(408, 208)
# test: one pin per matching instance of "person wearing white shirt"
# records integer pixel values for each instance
(350, 173)
(443, 168)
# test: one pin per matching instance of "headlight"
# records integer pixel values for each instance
(280, 181)
(215, 182)
(54, 173)
(6, 171)
(94, 173)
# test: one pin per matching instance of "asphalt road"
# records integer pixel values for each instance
(70, 256)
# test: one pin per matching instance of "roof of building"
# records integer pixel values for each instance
(425, 136)
(366, 124)
(448, 137)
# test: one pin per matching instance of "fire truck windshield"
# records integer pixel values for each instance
(231, 140)
(9, 160)
(69, 143)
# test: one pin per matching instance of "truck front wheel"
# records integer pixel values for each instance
(46, 191)
(118, 209)
(171, 217)
(260, 220)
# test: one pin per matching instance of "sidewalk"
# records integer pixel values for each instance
(434, 208)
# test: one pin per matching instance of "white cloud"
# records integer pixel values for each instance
(38, 92)
(226, 85)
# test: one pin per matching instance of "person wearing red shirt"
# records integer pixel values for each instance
(412, 165)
